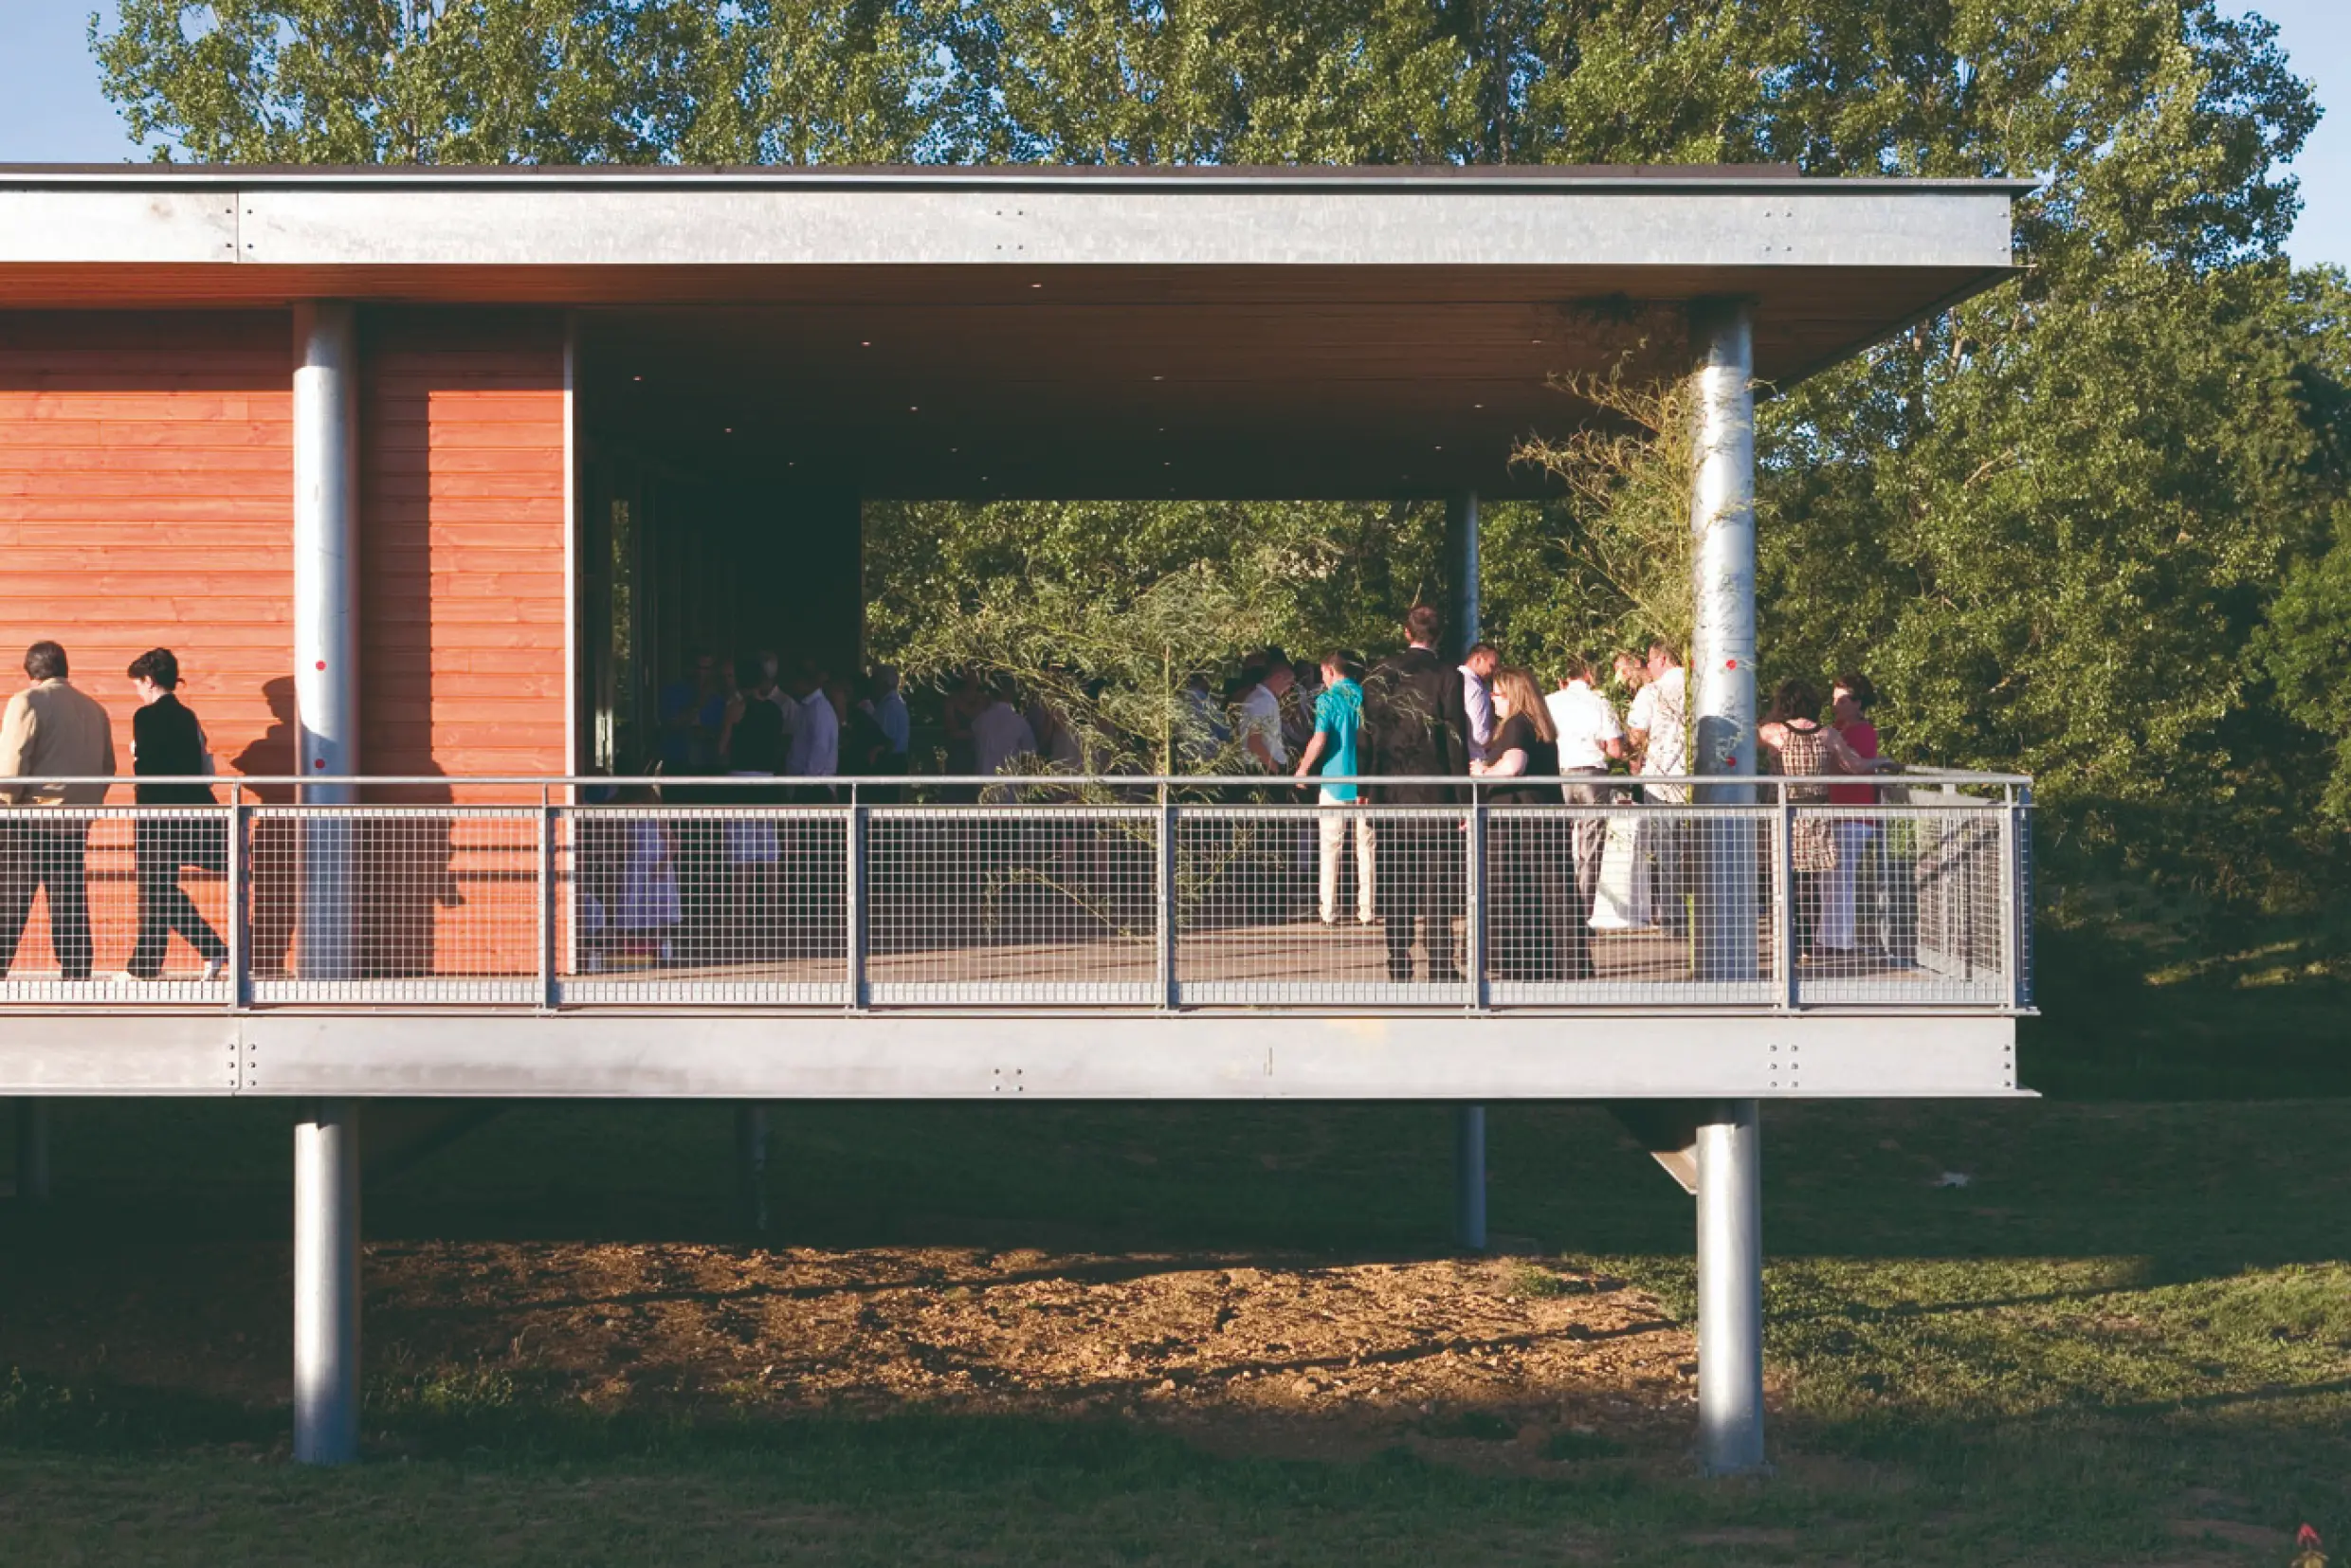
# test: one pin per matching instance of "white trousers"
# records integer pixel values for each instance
(1854, 837)
(1333, 823)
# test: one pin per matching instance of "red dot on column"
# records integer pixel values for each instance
(1727, 663)
(317, 762)
(322, 664)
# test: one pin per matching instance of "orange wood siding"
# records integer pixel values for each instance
(463, 667)
(463, 528)
(146, 499)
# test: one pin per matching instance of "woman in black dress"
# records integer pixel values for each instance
(166, 740)
(1528, 882)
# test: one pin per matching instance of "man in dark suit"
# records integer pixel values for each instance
(1415, 725)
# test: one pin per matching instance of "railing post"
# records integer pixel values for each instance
(2020, 862)
(1474, 938)
(854, 938)
(1784, 922)
(550, 903)
(2010, 915)
(238, 874)
(1163, 879)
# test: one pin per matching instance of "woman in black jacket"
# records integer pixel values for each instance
(167, 741)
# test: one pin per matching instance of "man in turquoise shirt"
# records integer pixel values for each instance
(1337, 725)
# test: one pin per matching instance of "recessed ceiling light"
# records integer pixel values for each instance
(636, 378)
(1159, 378)
(864, 344)
(730, 429)
(1477, 405)
(1036, 285)
(913, 408)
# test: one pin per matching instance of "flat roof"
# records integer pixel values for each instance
(1055, 330)
(1530, 175)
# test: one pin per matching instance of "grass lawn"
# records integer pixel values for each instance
(2125, 1338)
(2110, 1327)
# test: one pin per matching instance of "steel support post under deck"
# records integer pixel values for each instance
(1461, 635)
(32, 1151)
(1722, 666)
(326, 1283)
(1730, 1288)
(751, 1163)
(326, 620)
(1470, 1176)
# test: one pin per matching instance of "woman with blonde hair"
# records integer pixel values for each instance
(1528, 935)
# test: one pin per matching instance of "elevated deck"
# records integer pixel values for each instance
(1084, 937)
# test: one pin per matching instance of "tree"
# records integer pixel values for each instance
(2054, 523)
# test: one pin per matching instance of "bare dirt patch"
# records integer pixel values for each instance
(1489, 1362)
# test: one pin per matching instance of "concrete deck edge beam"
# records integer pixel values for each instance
(1009, 1056)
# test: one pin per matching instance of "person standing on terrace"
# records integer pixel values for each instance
(166, 742)
(1258, 714)
(1477, 698)
(1658, 726)
(889, 713)
(816, 738)
(1419, 728)
(1849, 714)
(1590, 739)
(1338, 733)
(51, 731)
(1528, 925)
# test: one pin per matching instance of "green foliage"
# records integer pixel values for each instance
(2306, 649)
(1628, 554)
(2084, 525)
(1109, 610)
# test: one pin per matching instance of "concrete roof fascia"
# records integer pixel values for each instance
(1777, 224)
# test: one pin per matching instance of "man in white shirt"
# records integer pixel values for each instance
(1659, 727)
(1588, 734)
(1659, 722)
(1258, 716)
(1589, 737)
(816, 740)
(1477, 698)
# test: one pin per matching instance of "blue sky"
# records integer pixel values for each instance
(52, 112)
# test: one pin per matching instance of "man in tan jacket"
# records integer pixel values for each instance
(51, 731)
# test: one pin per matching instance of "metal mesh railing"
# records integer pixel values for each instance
(1112, 894)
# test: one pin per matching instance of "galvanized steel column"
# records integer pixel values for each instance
(1730, 1288)
(1461, 573)
(326, 1283)
(1461, 635)
(1722, 668)
(1722, 744)
(326, 618)
(326, 696)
